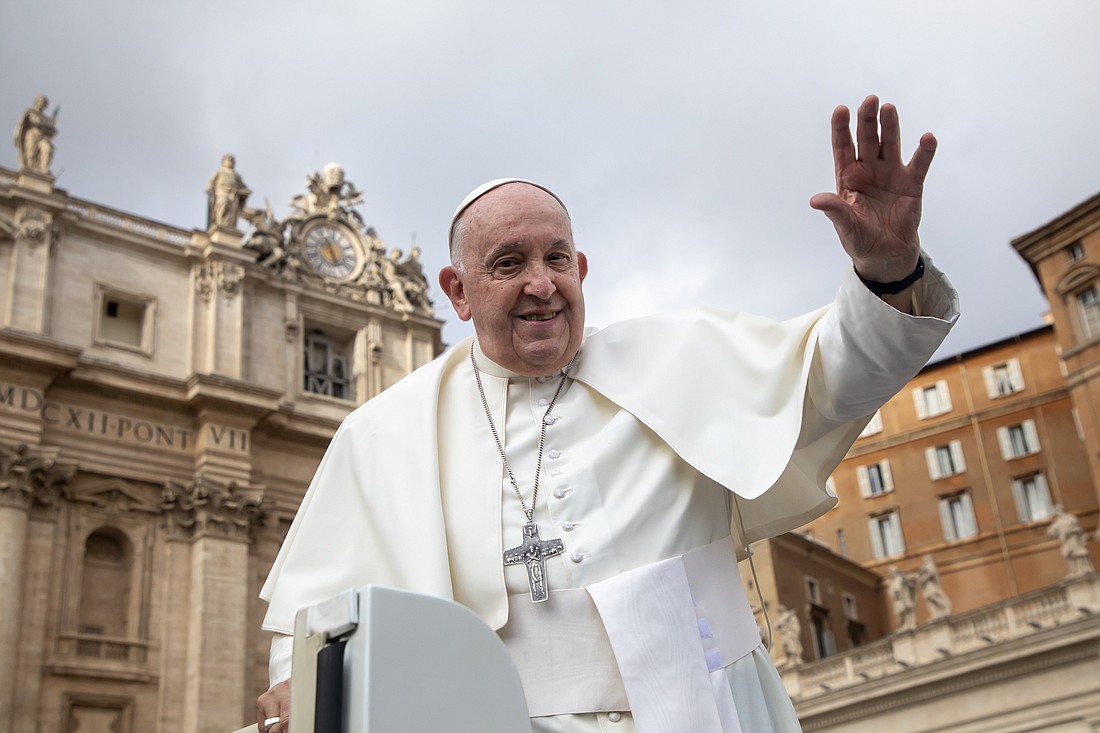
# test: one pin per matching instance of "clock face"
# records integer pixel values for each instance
(330, 249)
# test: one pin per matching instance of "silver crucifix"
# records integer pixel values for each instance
(533, 553)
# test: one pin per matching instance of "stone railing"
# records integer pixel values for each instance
(96, 646)
(1065, 603)
(123, 222)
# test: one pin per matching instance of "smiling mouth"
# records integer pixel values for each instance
(539, 316)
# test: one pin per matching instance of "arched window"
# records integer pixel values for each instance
(106, 584)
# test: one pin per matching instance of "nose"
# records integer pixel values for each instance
(539, 283)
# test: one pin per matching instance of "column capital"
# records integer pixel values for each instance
(207, 508)
(30, 474)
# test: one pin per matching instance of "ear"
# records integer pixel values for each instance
(450, 282)
(582, 265)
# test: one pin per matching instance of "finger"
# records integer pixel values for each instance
(890, 149)
(844, 151)
(922, 158)
(837, 209)
(867, 128)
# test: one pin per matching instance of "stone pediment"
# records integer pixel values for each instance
(1077, 277)
(117, 496)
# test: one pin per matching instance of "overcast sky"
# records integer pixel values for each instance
(686, 137)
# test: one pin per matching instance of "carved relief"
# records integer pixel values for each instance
(213, 275)
(208, 508)
(352, 265)
(31, 474)
(32, 226)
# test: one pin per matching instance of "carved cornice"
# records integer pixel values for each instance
(206, 508)
(30, 475)
(32, 226)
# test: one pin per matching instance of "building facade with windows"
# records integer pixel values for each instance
(165, 396)
(968, 465)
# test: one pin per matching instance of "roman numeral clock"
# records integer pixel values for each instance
(332, 249)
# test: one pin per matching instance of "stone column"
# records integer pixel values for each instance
(218, 520)
(218, 331)
(27, 475)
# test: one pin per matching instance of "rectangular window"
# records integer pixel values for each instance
(849, 602)
(874, 426)
(1019, 440)
(1032, 498)
(875, 479)
(1075, 252)
(824, 641)
(932, 400)
(1088, 310)
(886, 537)
(1003, 379)
(945, 460)
(957, 516)
(325, 367)
(125, 320)
(813, 591)
(841, 543)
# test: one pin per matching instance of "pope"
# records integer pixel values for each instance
(588, 493)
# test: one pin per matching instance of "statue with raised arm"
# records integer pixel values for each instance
(1074, 544)
(226, 194)
(903, 595)
(34, 136)
(928, 577)
(789, 632)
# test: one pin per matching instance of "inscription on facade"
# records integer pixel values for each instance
(114, 426)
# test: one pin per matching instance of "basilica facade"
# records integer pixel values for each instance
(165, 396)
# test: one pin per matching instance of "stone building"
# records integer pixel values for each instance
(973, 498)
(165, 396)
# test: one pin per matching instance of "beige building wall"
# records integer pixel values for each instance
(158, 429)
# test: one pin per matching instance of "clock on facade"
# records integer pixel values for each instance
(331, 250)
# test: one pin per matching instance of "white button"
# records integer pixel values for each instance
(554, 454)
(576, 557)
(559, 493)
(614, 717)
(543, 402)
(568, 526)
(556, 472)
(550, 419)
(541, 380)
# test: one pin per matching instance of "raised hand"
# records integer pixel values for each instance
(877, 204)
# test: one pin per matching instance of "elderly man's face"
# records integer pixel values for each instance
(519, 279)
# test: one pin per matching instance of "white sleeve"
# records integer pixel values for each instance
(278, 664)
(867, 350)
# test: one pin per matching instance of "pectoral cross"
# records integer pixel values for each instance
(533, 553)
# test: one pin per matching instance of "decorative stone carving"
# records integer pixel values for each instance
(1073, 541)
(392, 280)
(32, 226)
(208, 508)
(928, 577)
(31, 474)
(213, 275)
(34, 136)
(226, 195)
(903, 596)
(788, 631)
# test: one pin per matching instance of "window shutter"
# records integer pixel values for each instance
(990, 382)
(864, 482)
(933, 463)
(1045, 509)
(1006, 444)
(970, 527)
(1021, 501)
(876, 538)
(887, 477)
(1032, 436)
(1016, 375)
(897, 539)
(944, 395)
(957, 456)
(918, 401)
(946, 520)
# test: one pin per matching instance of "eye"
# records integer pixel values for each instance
(506, 264)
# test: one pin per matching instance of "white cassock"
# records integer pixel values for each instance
(670, 430)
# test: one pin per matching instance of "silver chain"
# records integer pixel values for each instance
(529, 513)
